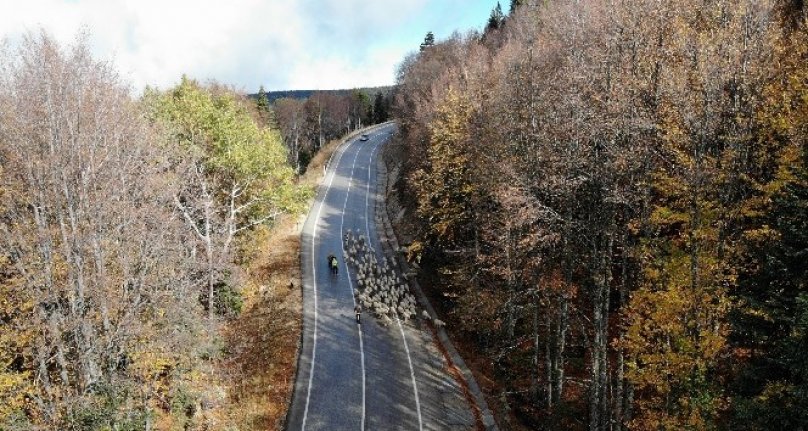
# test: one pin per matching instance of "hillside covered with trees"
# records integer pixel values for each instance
(307, 120)
(274, 95)
(612, 207)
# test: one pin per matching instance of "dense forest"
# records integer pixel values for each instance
(132, 232)
(122, 225)
(613, 207)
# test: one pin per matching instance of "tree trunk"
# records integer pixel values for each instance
(209, 255)
(561, 340)
(536, 349)
(511, 321)
(598, 400)
(621, 392)
(548, 361)
(604, 347)
(596, 388)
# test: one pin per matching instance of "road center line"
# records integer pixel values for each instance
(400, 327)
(350, 283)
(314, 282)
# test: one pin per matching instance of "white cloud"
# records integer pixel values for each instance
(246, 43)
(282, 44)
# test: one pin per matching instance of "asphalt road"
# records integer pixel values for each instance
(368, 376)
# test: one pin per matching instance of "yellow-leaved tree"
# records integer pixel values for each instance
(445, 187)
(234, 174)
(13, 337)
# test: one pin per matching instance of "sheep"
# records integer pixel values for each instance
(378, 286)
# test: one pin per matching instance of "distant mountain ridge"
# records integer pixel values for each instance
(305, 94)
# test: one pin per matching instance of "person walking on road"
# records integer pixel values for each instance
(358, 310)
(333, 264)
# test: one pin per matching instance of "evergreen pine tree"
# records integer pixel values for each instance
(265, 110)
(429, 40)
(263, 100)
(379, 109)
(497, 18)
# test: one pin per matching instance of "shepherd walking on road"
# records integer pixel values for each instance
(333, 264)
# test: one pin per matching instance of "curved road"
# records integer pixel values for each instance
(368, 376)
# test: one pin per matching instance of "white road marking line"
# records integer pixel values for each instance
(412, 374)
(314, 283)
(350, 283)
(403, 337)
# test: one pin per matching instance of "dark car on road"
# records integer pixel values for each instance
(364, 137)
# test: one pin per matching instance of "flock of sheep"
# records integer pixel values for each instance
(379, 289)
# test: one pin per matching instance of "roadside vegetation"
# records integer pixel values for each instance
(149, 250)
(608, 200)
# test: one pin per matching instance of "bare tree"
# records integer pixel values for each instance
(89, 233)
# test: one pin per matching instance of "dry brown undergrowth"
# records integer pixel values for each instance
(261, 343)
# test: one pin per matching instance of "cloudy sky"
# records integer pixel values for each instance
(281, 44)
